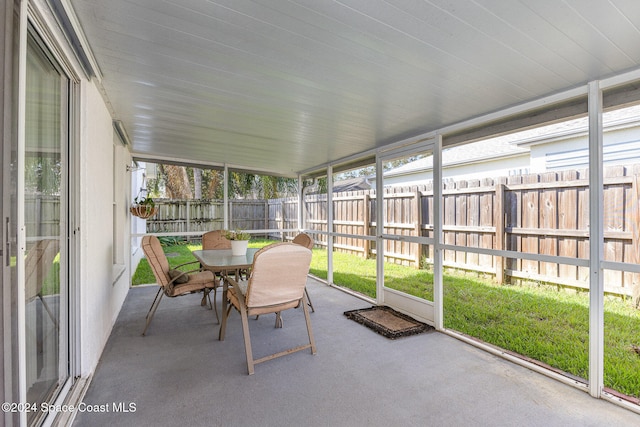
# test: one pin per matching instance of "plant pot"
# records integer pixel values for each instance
(239, 247)
(143, 212)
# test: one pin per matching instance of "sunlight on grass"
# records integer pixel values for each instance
(548, 325)
(351, 272)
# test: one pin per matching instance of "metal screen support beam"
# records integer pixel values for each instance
(379, 231)
(301, 225)
(438, 309)
(330, 224)
(596, 242)
(225, 204)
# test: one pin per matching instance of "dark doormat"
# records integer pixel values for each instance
(388, 322)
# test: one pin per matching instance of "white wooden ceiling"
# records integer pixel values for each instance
(285, 85)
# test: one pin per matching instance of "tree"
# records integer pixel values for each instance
(176, 182)
(180, 182)
(197, 183)
(43, 174)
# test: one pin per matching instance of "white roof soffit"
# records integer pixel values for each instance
(286, 86)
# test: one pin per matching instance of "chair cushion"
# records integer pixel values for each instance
(206, 279)
(181, 276)
(278, 275)
(197, 282)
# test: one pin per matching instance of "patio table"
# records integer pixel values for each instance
(222, 261)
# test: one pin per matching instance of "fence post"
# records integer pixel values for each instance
(266, 215)
(38, 214)
(367, 220)
(499, 217)
(188, 214)
(282, 221)
(417, 215)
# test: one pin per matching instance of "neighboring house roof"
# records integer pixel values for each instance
(518, 143)
(622, 117)
(484, 150)
(353, 184)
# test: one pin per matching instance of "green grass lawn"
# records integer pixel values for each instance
(538, 322)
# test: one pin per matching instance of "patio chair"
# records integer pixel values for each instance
(174, 282)
(305, 240)
(215, 240)
(37, 265)
(277, 281)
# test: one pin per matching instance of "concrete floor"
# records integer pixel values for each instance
(180, 374)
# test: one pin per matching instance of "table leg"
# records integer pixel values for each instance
(223, 324)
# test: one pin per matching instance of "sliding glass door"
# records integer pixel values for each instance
(45, 197)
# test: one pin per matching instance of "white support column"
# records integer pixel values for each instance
(438, 302)
(225, 203)
(596, 242)
(330, 224)
(300, 204)
(379, 231)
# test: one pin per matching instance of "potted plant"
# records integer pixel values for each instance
(143, 207)
(239, 241)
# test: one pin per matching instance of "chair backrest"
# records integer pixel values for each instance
(215, 240)
(37, 265)
(304, 240)
(278, 275)
(157, 259)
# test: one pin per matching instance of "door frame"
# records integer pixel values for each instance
(36, 17)
(418, 308)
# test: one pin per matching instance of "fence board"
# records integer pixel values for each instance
(568, 220)
(473, 219)
(513, 218)
(486, 219)
(530, 217)
(548, 220)
(448, 218)
(461, 218)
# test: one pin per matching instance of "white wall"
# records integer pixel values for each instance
(100, 296)
(468, 171)
(487, 169)
(621, 147)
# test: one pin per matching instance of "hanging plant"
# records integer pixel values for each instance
(143, 207)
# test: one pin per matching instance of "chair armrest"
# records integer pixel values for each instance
(232, 281)
(240, 286)
(196, 270)
(186, 263)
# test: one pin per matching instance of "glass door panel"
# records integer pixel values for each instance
(45, 198)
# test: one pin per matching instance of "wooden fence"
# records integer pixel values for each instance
(538, 213)
(42, 216)
(176, 216)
